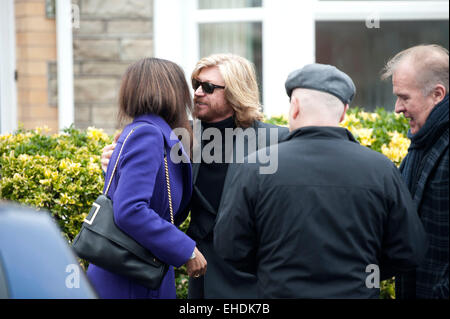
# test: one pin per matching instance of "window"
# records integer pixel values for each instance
(362, 52)
(242, 38)
(284, 35)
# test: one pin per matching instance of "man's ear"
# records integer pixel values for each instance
(439, 93)
(295, 107)
(343, 114)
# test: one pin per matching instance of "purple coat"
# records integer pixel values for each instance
(141, 206)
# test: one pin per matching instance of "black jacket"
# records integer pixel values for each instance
(333, 210)
(220, 280)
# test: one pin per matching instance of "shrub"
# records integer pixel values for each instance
(60, 173)
(181, 276)
(384, 132)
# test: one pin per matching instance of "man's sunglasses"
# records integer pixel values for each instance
(207, 87)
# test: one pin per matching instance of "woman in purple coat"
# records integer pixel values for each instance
(155, 95)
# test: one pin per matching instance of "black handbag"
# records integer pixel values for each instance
(102, 243)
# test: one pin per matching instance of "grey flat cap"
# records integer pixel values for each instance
(322, 77)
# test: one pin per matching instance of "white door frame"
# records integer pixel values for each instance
(65, 63)
(8, 88)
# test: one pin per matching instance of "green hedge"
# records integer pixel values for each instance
(62, 174)
(382, 131)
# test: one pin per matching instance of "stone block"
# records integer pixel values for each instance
(92, 90)
(134, 49)
(90, 27)
(129, 26)
(35, 24)
(82, 113)
(32, 68)
(117, 8)
(36, 53)
(29, 38)
(32, 82)
(105, 113)
(25, 9)
(105, 68)
(33, 97)
(95, 49)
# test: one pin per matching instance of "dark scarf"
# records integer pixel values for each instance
(422, 141)
(211, 177)
(411, 168)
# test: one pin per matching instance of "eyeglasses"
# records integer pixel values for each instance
(207, 87)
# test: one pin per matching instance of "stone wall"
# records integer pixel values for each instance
(112, 35)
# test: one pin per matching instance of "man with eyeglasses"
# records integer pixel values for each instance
(226, 98)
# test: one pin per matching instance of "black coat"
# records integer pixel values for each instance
(220, 280)
(310, 230)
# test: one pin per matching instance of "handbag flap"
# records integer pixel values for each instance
(101, 220)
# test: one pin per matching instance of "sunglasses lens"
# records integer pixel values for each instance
(195, 84)
(207, 87)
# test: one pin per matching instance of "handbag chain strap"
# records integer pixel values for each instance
(168, 189)
(166, 171)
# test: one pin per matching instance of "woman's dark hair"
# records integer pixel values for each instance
(155, 86)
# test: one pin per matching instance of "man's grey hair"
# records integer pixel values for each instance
(430, 63)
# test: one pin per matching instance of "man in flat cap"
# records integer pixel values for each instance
(334, 219)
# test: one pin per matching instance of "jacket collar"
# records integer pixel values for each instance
(158, 121)
(322, 132)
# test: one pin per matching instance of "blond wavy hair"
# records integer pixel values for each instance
(241, 88)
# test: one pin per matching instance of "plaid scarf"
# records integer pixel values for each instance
(421, 142)
(422, 155)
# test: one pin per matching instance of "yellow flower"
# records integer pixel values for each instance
(45, 182)
(350, 120)
(64, 164)
(5, 137)
(93, 167)
(368, 116)
(64, 198)
(24, 158)
(70, 166)
(397, 148)
(364, 115)
(49, 174)
(364, 135)
(40, 130)
(96, 134)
